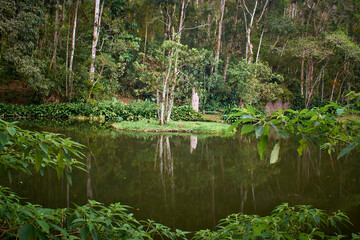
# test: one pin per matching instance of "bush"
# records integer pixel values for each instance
(109, 111)
(185, 113)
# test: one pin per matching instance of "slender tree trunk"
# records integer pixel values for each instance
(73, 38)
(309, 78)
(97, 24)
(178, 38)
(146, 31)
(231, 44)
(56, 37)
(217, 54)
(258, 52)
(195, 99)
(302, 74)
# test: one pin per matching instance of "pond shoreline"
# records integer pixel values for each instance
(153, 126)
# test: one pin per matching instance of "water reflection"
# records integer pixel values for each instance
(164, 181)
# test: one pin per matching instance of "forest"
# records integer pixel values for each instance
(223, 52)
(202, 72)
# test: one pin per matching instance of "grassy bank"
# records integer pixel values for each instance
(172, 126)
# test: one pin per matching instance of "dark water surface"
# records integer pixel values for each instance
(190, 182)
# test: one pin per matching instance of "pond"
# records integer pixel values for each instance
(190, 182)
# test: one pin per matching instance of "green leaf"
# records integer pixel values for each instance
(283, 134)
(303, 146)
(94, 235)
(259, 131)
(11, 130)
(43, 225)
(260, 228)
(233, 126)
(44, 148)
(38, 160)
(275, 153)
(247, 129)
(4, 138)
(25, 231)
(262, 146)
(250, 109)
(84, 232)
(339, 111)
(347, 149)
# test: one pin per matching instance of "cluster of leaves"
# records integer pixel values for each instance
(186, 113)
(28, 221)
(24, 150)
(331, 126)
(300, 222)
(107, 110)
(256, 83)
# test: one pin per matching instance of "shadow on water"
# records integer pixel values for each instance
(191, 181)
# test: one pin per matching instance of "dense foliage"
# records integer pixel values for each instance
(331, 126)
(102, 110)
(228, 52)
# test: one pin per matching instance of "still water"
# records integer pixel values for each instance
(190, 182)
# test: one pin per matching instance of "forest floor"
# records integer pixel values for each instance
(172, 126)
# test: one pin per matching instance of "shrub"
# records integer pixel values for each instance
(185, 113)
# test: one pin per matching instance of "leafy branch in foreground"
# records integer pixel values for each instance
(300, 222)
(24, 150)
(330, 126)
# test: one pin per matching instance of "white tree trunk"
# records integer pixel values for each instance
(217, 55)
(73, 47)
(195, 100)
(97, 24)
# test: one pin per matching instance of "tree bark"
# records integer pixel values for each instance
(195, 99)
(231, 44)
(73, 47)
(56, 37)
(217, 54)
(97, 24)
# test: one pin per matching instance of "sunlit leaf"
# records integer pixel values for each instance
(274, 157)
(262, 146)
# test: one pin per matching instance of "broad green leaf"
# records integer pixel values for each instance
(232, 127)
(274, 158)
(38, 160)
(94, 235)
(303, 146)
(4, 138)
(259, 131)
(84, 232)
(247, 129)
(262, 146)
(250, 109)
(283, 134)
(43, 225)
(44, 148)
(260, 228)
(25, 231)
(339, 111)
(347, 150)
(11, 130)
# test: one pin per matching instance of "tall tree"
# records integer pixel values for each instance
(97, 25)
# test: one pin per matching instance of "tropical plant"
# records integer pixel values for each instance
(331, 126)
